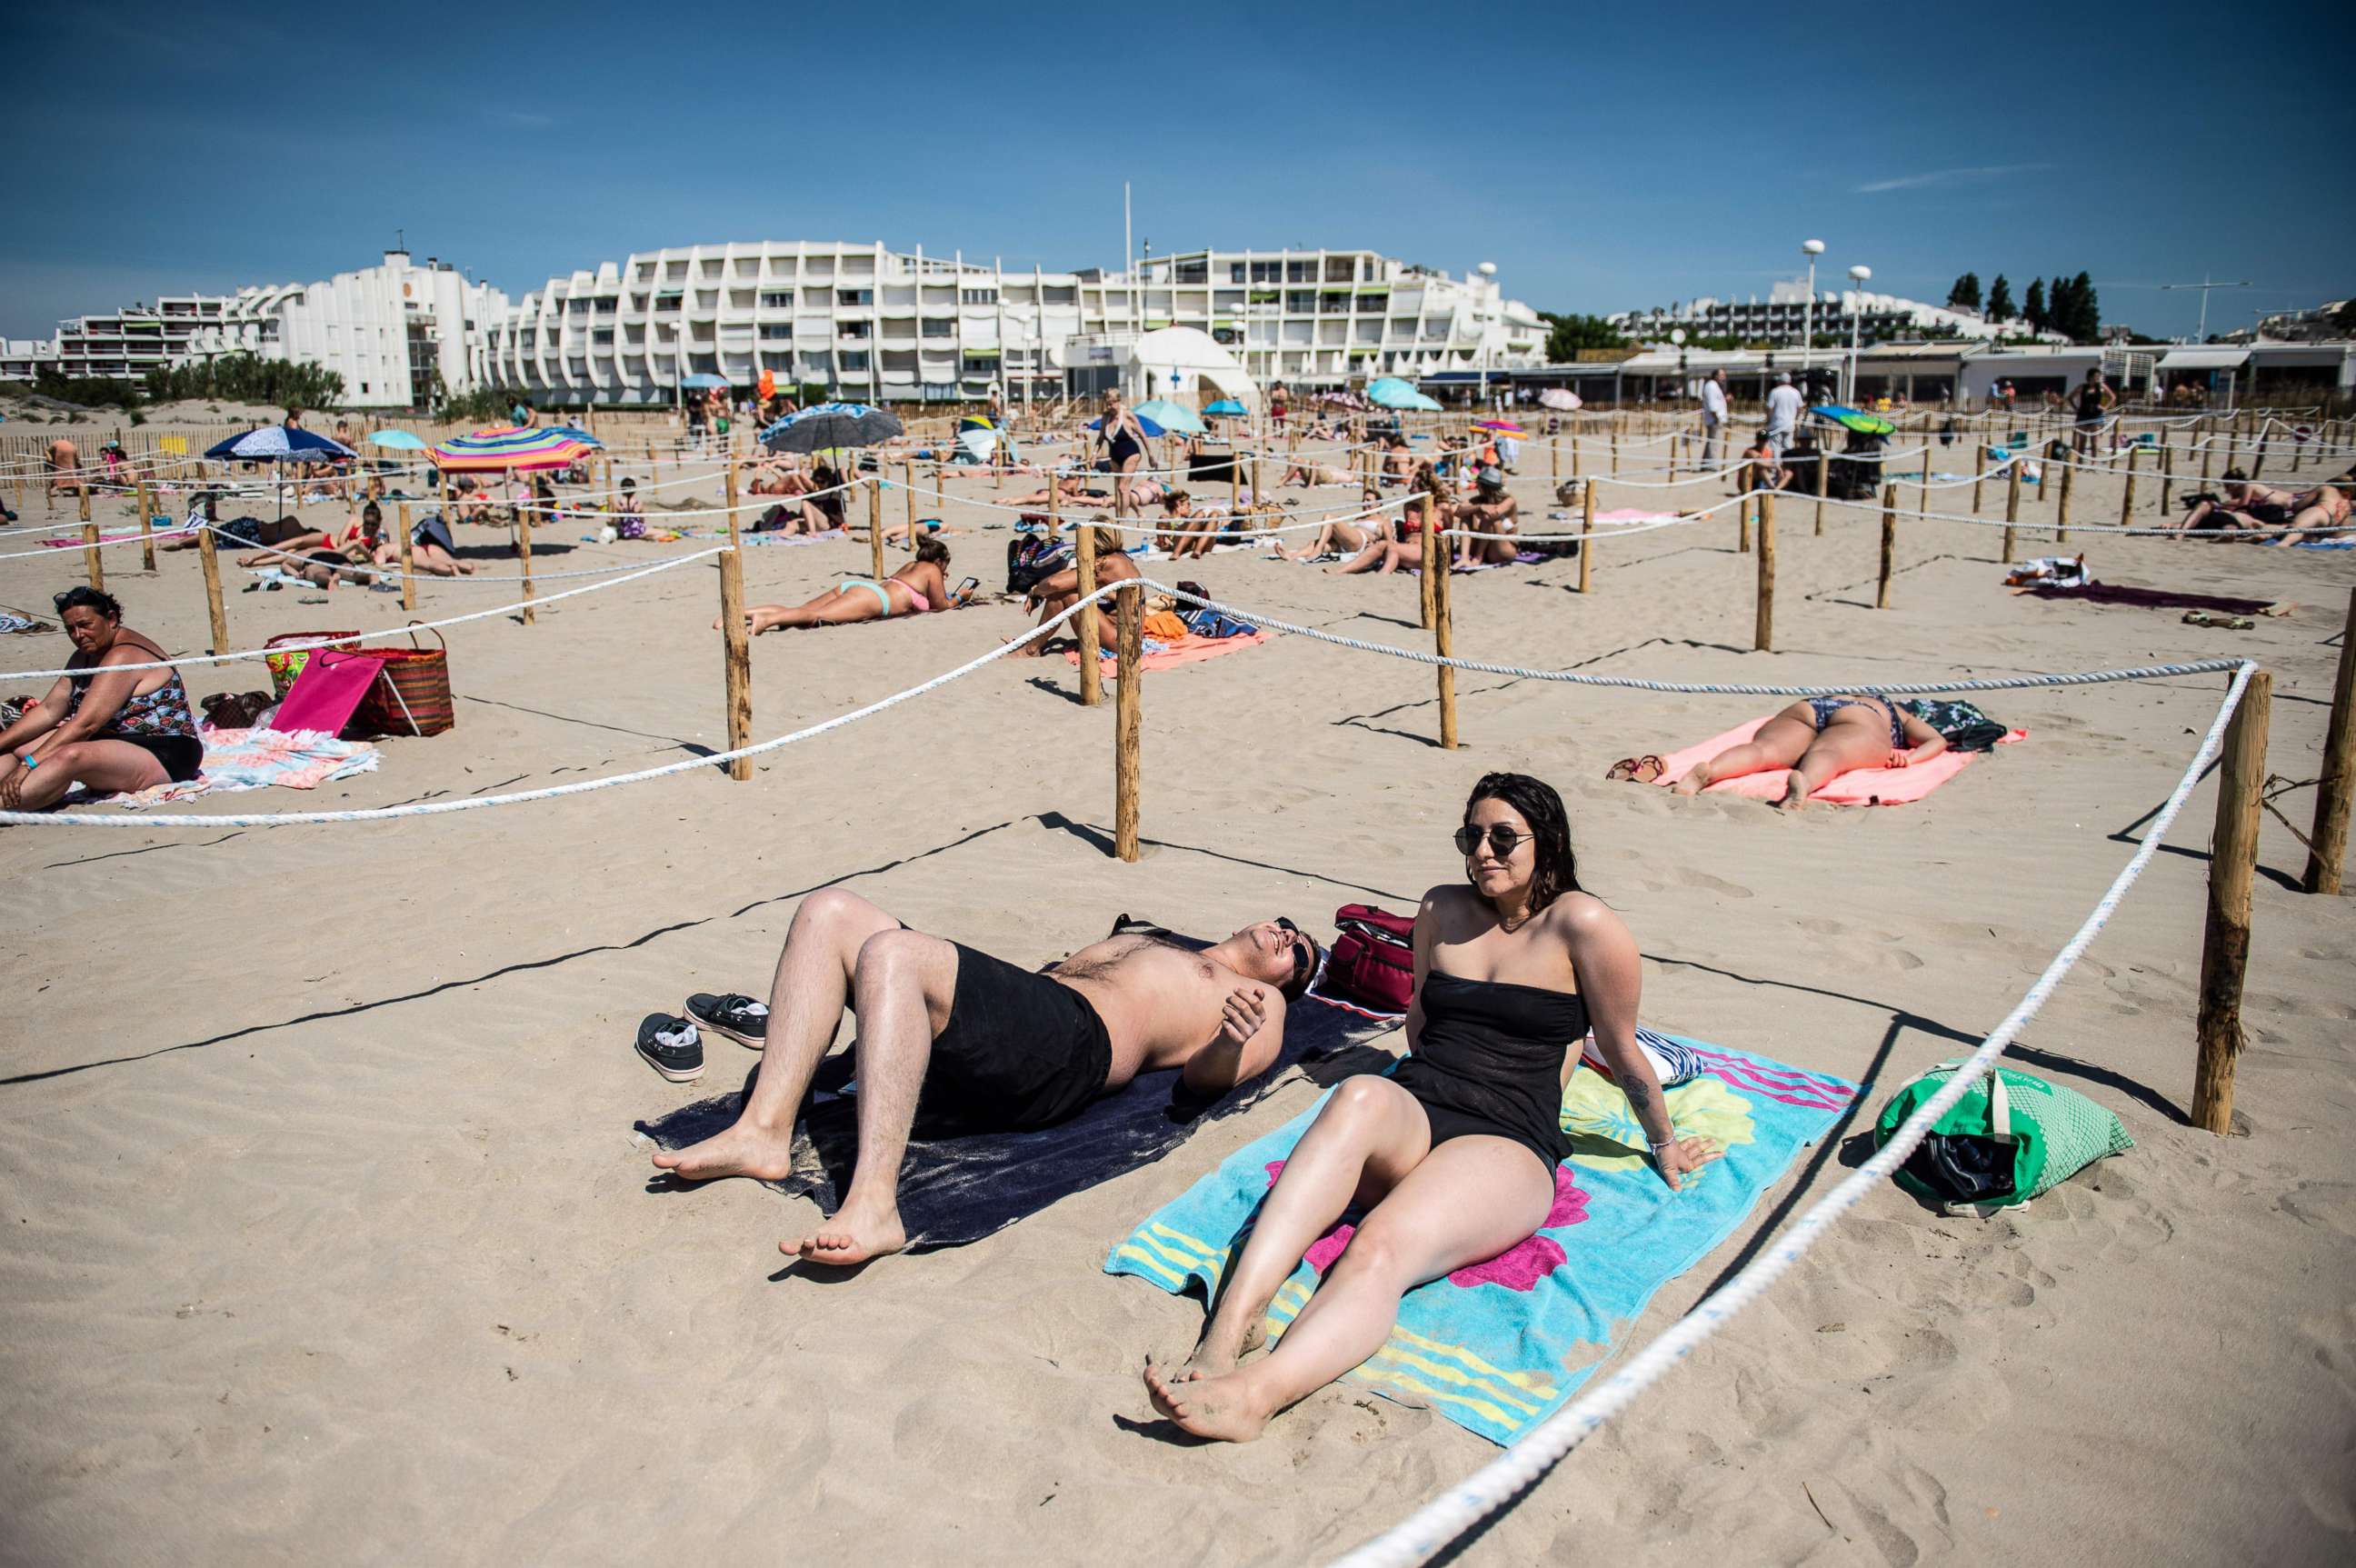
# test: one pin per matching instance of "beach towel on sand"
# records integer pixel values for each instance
(237, 759)
(958, 1188)
(1858, 787)
(1187, 650)
(1498, 1347)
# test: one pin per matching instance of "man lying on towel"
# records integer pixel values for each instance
(980, 1042)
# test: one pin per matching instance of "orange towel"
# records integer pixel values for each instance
(1858, 787)
(1187, 650)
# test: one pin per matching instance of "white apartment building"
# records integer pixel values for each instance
(1784, 315)
(868, 322)
(388, 330)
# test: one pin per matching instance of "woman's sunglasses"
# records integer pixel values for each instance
(1502, 840)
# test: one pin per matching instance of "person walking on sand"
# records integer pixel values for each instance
(1713, 416)
(953, 1032)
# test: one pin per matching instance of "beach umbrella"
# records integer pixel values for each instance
(1145, 422)
(1170, 417)
(1226, 408)
(1392, 393)
(704, 381)
(397, 441)
(1500, 428)
(1343, 399)
(513, 446)
(279, 443)
(829, 425)
(1559, 399)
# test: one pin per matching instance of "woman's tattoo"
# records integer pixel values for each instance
(1639, 1097)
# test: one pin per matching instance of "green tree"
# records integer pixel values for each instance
(1999, 299)
(1568, 334)
(2084, 320)
(1965, 295)
(2033, 306)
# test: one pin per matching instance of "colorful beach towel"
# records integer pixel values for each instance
(1187, 650)
(240, 759)
(1498, 1347)
(958, 1188)
(1858, 787)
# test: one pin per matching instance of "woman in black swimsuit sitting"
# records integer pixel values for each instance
(104, 729)
(1452, 1156)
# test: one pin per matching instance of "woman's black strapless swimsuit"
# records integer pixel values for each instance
(1490, 1060)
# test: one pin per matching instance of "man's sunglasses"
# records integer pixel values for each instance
(1304, 959)
(1502, 839)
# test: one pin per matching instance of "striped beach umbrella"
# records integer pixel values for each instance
(279, 443)
(516, 447)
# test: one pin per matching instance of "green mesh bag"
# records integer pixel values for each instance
(2011, 1137)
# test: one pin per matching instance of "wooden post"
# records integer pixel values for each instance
(735, 642)
(2233, 867)
(1889, 543)
(1585, 537)
(523, 552)
(1615, 439)
(146, 528)
(2167, 479)
(1979, 473)
(2061, 507)
(1085, 623)
(2011, 506)
(2258, 462)
(407, 561)
(908, 489)
(1765, 637)
(1128, 719)
(2207, 452)
(209, 555)
(1742, 522)
(1554, 458)
(1444, 639)
(2126, 495)
(1824, 478)
(91, 564)
(1428, 590)
(2328, 845)
(730, 485)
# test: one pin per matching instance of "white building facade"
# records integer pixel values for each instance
(1784, 316)
(866, 321)
(390, 330)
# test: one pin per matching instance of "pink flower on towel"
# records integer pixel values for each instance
(1520, 1267)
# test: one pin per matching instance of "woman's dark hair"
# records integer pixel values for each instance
(933, 550)
(2235, 477)
(1556, 871)
(89, 598)
(371, 517)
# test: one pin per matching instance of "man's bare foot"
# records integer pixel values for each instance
(742, 1149)
(1795, 794)
(1208, 1407)
(851, 1237)
(1696, 780)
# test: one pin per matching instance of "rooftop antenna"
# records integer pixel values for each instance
(1127, 265)
(2200, 333)
(401, 243)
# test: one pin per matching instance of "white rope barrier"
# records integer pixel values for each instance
(553, 791)
(539, 603)
(1495, 1485)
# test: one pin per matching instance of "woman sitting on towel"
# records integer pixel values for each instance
(1052, 596)
(431, 548)
(1818, 738)
(1453, 1158)
(1344, 536)
(919, 587)
(105, 729)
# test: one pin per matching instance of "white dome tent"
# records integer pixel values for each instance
(1186, 365)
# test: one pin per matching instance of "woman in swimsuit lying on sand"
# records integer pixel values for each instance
(2250, 505)
(920, 587)
(1453, 1158)
(1344, 536)
(1818, 738)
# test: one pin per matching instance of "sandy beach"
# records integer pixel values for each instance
(330, 1240)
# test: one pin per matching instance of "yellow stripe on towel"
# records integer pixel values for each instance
(1529, 1382)
(1503, 1418)
(1186, 1262)
(1144, 1259)
(1456, 1376)
(1202, 1251)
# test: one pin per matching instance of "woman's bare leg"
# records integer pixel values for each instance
(1780, 742)
(110, 766)
(1375, 557)
(1843, 744)
(1465, 1202)
(1368, 1137)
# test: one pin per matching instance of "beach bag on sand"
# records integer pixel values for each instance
(410, 695)
(285, 667)
(1373, 962)
(2010, 1138)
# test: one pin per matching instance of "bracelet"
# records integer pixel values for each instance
(1670, 1142)
(28, 762)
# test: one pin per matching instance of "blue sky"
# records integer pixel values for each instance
(1603, 159)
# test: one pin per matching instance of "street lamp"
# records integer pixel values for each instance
(1858, 274)
(1488, 271)
(1810, 248)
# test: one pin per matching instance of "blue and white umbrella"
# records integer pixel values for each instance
(279, 443)
(1392, 393)
(1170, 416)
(829, 425)
(704, 381)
